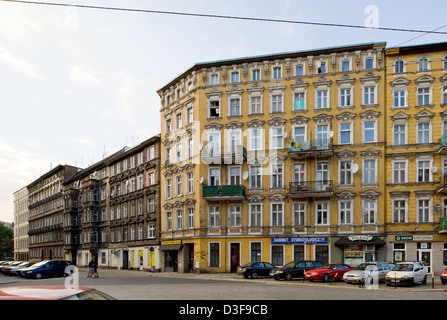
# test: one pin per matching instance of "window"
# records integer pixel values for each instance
(322, 67)
(345, 133)
(213, 144)
(369, 95)
(369, 172)
(234, 137)
(235, 176)
(399, 172)
(423, 171)
(322, 213)
(168, 127)
(169, 220)
(256, 139)
(277, 215)
(399, 134)
(299, 101)
(255, 105)
(345, 208)
(190, 182)
(256, 74)
(235, 215)
(276, 103)
(423, 131)
(444, 62)
(369, 132)
(214, 79)
(424, 210)
(190, 218)
(369, 63)
(178, 120)
(179, 219)
(423, 64)
(151, 231)
(214, 259)
(277, 176)
(234, 76)
(179, 185)
(255, 177)
(369, 212)
(255, 251)
(277, 72)
(214, 109)
(345, 65)
(277, 139)
(399, 98)
(299, 172)
(423, 96)
(299, 69)
(255, 215)
(189, 115)
(277, 255)
(168, 188)
(150, 205)
(322, 100)
(299, 134)
(235, 107)
(299, 213)
(399, 210)
(345, 173)
(214, 177)
(214, 216)
(399, 66)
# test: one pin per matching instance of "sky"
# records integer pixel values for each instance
(78, 84)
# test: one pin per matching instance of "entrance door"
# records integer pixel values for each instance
(234, 256)
(424, 256)
(171, 261)
(191, 257)
(125, 259)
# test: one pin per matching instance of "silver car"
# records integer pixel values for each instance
(368, 272)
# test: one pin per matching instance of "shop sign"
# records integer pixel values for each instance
(169, 242)
(413, 238)
(360, 237)
(300, 240)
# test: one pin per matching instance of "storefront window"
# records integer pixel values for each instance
(444, 255)
(255, 251)
(298, 252)
(278, 255)
(322, 254)
(214, 255)
(399, 252)
(353, 254)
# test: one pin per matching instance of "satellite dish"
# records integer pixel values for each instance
(331, 134)
(245, 175)
(284, 135)
(201, 180)
(434, 169)
(355, 168)
(200, 145)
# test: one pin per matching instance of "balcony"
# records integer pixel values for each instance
(236, 155)
(443, 188)
(443, 225)
(222, 193)
(319, 148)
(311, 189)
(442, 145)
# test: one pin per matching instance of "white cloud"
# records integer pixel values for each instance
(19, 64)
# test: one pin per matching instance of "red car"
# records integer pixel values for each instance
(328, 271)
(443, 277)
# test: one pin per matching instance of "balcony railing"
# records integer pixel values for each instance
(442, 145)
(225, 192)
(309, 189)
(316, 147)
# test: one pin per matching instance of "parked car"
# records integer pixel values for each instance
(329, 271)
(407, 273)
(10, 264)
(294, 269)
(52, 293)
(5, 264)
(13, 270)
(255, 269)
(368, 271)
(46, 268)
(443, 277)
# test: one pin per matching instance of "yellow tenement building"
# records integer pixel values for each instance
(274, 158)
(416, 154)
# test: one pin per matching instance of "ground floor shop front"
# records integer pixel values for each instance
(226, 254)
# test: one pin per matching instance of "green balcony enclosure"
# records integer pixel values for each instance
(443, 225)
(225, 192)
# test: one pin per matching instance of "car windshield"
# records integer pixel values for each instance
(23, 264)
(41, 263)
(327, 266)
(289, 265)
(369, 267)
(90, 295)
(403, 267)
(363, 266)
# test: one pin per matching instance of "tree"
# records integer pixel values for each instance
(6, 241)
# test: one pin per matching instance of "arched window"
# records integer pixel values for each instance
(423, 64)
(399, 66)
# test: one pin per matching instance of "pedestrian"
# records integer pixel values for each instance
(95, 267)
(91, 268)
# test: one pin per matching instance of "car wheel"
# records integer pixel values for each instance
(38, 275)
(425, 280)
(369, 280)
(254, 275)
(289, 276)
(326, 278)
(411, 283)
(245, 276)
(443, 281)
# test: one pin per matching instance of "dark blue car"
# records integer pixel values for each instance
(47, 268)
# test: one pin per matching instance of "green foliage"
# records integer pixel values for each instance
(6, 241)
